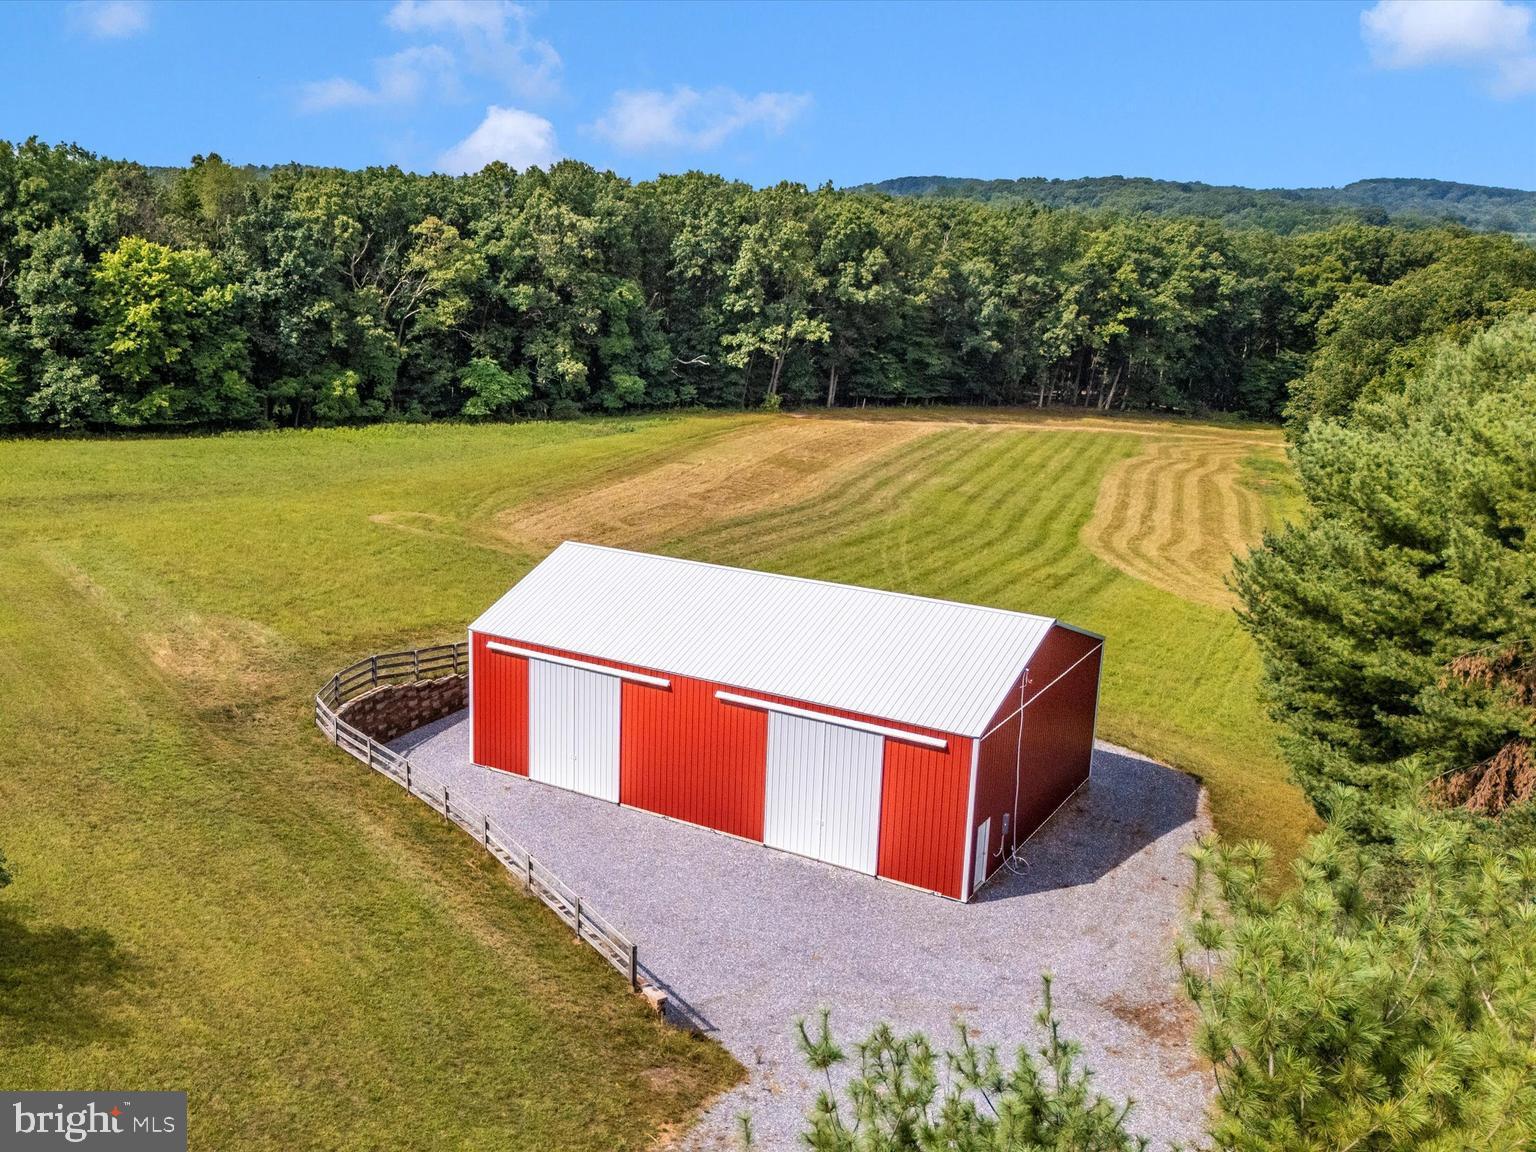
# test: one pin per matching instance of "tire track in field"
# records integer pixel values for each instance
(1175, 514)
(1011, 526)
(937, 530)
(957, 526)
(970, 513)
(1048, 552)
(1181, 538)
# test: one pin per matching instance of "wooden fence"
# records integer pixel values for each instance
(388, 668)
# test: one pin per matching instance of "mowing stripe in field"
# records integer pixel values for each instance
(1176, 513)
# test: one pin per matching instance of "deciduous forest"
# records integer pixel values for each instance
(216, 296)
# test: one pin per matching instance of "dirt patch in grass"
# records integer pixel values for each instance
(1168, 1022)
(219, 661)
(1176, 513)
(759, 467)
(220, 657)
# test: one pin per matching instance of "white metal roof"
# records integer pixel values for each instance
(928, 663)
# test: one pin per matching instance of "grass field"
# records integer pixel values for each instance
(209, 897)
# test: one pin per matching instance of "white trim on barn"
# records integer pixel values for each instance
(840, 721)
(970, 820)
(584, 665)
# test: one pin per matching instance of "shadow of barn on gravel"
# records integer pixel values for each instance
(1127, 804)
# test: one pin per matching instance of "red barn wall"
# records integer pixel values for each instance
(687, 755)
(684, 754)
(1058, 743)
(923, 799)
(499, 708)
(994, 785)
(1055, 750)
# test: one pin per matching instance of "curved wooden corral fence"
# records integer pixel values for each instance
(392, 669)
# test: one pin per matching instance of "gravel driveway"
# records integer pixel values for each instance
(746, 939)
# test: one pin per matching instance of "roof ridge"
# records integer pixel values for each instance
(805, 580)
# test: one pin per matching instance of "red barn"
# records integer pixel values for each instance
(914, 739)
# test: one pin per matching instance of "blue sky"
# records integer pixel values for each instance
(1259, 94)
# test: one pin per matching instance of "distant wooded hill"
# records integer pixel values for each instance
(1402, 201)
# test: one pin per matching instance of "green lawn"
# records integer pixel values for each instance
(209, 897)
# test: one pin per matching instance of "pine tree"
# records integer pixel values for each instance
(1416, 555)
(1386, 1002)
(903, 1096)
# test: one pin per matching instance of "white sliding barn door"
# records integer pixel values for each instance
(573, 729)
(792, 807)
(823, 791)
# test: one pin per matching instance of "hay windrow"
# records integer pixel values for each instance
(1175, 514)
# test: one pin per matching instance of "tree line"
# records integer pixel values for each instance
(216, 296)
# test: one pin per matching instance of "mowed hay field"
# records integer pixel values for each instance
(208, 897)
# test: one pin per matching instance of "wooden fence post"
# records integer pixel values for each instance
(528, 881)
(416, 663)
(445, 803)
(634, 968)
(373, 662)
(578, 917)
(407, 775)
(485, 831)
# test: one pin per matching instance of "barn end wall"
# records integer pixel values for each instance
(1039, 744)
(686, 755)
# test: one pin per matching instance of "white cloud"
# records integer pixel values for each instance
(1491, 37)
(685, 119)
(109, 19)
(515, 137)
(467, 17)
(492, 36)
(456, 38)
(398, 79)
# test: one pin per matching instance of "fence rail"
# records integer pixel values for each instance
(388, 668)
